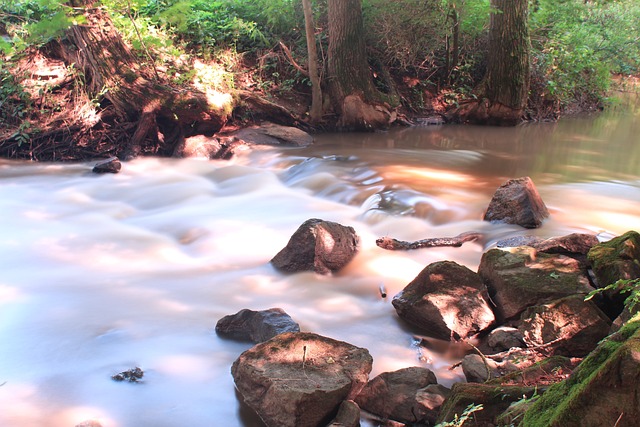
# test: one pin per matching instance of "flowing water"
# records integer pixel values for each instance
(101, 274)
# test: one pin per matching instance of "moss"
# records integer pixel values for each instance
(619, 258)
(563, 404)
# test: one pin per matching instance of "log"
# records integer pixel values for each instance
(399, 245)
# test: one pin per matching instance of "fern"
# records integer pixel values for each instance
(622, 286)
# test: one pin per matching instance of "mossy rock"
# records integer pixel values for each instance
(542, 372)
(617, 259)
(495, 399)
(604, 390)
(524, 277)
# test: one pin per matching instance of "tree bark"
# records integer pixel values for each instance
(315, 113)
(359, 105)
(508, 73)
(505, 88)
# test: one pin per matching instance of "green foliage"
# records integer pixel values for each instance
(35, 22)
(458, 421)
(14, 101)
(578, 45)
(622, 286)
(242, 24)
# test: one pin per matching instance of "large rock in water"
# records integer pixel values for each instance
(300, 379)
(403, 395)
(569, 326)
(446, 300)
(318, 245)
(524, 277)
(517, 201)
(256, 326)
(604, 390)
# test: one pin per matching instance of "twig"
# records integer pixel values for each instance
(293, 62)
(394, 244)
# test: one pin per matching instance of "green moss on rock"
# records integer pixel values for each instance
(603, 390)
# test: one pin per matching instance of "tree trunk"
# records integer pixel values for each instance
(315, 113)
(506, 84)
(111, 71)
(508, 73)
(359, 105)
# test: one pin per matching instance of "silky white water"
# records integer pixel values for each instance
(101, 274)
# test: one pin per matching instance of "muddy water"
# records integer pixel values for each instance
(104, 273)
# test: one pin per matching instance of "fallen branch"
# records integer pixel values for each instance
(396, 245)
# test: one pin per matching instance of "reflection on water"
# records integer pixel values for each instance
(104, 273)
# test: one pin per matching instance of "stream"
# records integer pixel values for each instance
(103, 273)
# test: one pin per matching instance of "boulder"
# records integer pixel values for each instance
(517, 201)
(271, 134)
(619, 258)
(300, 379)
(478, 369)
(524, 277)
(495, 399)
(256, 326)
(603, 390)
(318, 245)
(348, 415)
(110, 165)
(446, 300)
(505, 337)
(209, 147)
(569, 326)
(394, 395)
(576, 243)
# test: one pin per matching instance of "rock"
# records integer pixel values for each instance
(602, 391)
(300, 379)
(348, 415)
(272, 134)
(569, 326)
(394, 395)
(576, 243)
(477, 369)
(131, 375)
(495, 399)
(504, 337)
(256, 326)
(430, 399)
(517, 202)
(525, 277)
(110, 165)
(619, 258)
(446, 300)
(317, 245)
(208, 147)
(541, 373)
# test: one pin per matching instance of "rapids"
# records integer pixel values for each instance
(105, 273)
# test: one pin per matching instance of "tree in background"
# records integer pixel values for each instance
(504, 90)
(359, 105)
(315, 113)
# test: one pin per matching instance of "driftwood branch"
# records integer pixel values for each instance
(399, 245)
